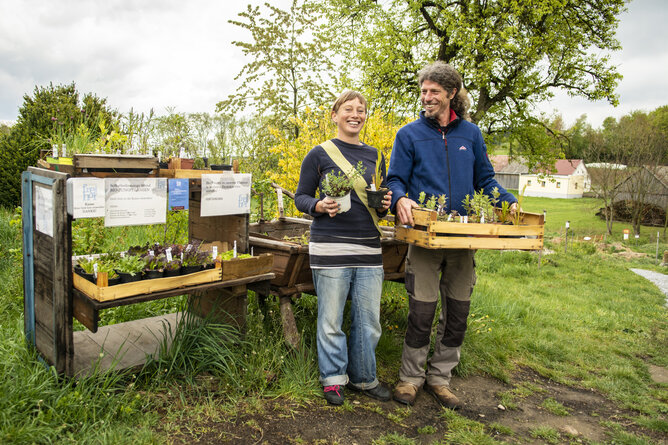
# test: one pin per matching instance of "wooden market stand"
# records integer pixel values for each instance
(51, 302)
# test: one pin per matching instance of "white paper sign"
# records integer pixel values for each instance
(43, 198)
(85, 197)
(135, 201)
(225, 194)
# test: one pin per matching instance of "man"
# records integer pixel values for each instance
(441, 153)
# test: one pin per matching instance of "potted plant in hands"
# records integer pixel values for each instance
(338, 186)
(376, 192)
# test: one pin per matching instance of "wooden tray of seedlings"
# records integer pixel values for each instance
(101, 291)
(522, 233)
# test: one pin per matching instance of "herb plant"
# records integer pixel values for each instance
(340, 184)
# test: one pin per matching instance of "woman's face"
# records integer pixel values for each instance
(350, 118)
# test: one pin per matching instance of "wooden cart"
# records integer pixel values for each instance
(51, 301)
(291, 263)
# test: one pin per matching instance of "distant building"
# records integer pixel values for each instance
(570, 180)
(648, 183)
(506, 172)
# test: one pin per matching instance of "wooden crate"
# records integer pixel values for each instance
(247, 267)
(432, 234)
(144, 286)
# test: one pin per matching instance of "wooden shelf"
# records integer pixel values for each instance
(86, 309)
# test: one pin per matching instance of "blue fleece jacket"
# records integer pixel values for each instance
(437, 160)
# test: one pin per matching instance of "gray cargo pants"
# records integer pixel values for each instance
(452, 271)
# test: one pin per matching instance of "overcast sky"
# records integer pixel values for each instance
(175, 53)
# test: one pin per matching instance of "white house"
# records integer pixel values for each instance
(570, 180)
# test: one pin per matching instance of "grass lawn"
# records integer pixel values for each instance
(582, 319)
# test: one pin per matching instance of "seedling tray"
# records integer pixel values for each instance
(433, 234)
(144, 286)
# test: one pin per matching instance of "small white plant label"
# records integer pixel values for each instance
(482, 219)
(151, 253)
(234, 255)
(95, 270)
(214, 252)
(188, 247)
(168, 254)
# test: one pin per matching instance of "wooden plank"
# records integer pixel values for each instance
(447, 242)
(114, 161)
(84, 311)
(144, 286)
(62, 278)
(290, 332)
(185, 173)
(137, 338)
(484, 229)
(229, 228)
(227, 305)
(44, 341)
(246, 267)
(100, 305)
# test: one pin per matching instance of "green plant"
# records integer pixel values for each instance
(132, 264)
(340, 184)
(480, 207)
(87, 264)
(377, 178)
(155, 262)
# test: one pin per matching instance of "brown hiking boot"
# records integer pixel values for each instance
(443, 395)
(405, 393)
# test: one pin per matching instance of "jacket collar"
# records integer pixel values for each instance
(454, 121)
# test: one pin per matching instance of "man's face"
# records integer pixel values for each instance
(436, 101)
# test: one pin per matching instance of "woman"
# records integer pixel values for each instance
(345, 256)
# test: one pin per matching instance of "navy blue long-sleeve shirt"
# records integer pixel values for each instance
(349, 239)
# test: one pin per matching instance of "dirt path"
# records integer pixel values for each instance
(531, 409)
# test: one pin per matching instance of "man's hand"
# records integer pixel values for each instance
(403, 210)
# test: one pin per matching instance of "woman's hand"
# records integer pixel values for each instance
(329, 206)
(387, 200)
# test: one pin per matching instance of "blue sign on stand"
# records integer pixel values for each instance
(178, 194)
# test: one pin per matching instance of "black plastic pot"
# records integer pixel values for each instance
(128, 278)
(172, 272)
(225, 167)
(150, 274)
(375, 198)
(89, 276)
(185, 270)
(163, 165)
(114, 281)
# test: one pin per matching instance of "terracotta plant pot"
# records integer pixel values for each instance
(375, 197)
(344, 202)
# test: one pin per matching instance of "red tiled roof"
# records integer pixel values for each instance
(566, 167)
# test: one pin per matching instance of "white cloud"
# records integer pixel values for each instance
(161, 53)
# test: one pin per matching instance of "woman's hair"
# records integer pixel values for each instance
(345, 97)
(447, 77)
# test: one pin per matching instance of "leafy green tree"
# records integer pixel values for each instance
(173, 133)
(52, 110)
(512, 55)
(290, 65)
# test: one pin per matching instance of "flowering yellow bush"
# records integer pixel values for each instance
(315, 127)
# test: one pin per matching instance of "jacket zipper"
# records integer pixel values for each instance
(447, 161)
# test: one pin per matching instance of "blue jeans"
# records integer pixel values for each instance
(357, 363)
